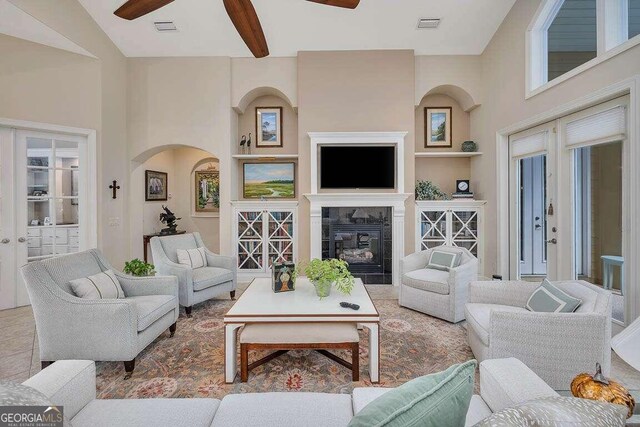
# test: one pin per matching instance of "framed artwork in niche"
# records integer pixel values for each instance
(269, 180)
(207, 191)
(268, 127)
(437, 127)
(155, 186)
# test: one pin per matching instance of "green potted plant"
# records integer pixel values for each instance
(327, 273)
(138, 268)
(427, 190)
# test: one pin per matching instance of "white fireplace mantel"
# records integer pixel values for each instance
(357, 138)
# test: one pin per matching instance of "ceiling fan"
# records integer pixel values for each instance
(241, 12)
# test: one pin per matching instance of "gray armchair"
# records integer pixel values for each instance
(196, 285)
(556, 346)
(105, 330)
(437, 293)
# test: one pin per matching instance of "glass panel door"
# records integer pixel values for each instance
(250, 240)
(433, 228)
(464, 225)
(597, 208)
(280, 242)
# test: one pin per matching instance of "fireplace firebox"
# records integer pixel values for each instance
(360, 245)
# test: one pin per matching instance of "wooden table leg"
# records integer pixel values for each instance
(230, 352)
(374, 351)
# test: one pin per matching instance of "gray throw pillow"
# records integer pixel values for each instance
(443, 260)
(559, 412)
(549, 299)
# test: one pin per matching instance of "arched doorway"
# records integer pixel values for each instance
(181, 164)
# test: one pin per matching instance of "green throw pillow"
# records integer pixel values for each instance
(441, 260)
(436, 400)
(549, 299)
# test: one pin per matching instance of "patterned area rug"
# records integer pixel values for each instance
(191, 364)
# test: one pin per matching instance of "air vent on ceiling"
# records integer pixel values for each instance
(425, 23)
(164, 26)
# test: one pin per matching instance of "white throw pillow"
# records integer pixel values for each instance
(103, 285)
(194, 258)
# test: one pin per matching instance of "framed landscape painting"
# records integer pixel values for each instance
(437, 127)
(268, 127)
(207, 191)
(155, 186)
(269, 180)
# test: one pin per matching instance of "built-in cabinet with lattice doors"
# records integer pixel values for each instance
(452, 223)
(264, 232)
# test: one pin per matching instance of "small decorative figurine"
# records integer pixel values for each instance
(243, 142)
(169, 218)
(249, 143)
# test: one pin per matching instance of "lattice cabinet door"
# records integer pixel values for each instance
(250, 240)
(464, 229)
(280, 232)
(433, 228)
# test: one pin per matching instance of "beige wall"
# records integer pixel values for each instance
(461, 75)
(53, 86)
(504, 104)
(181, 102)
(354, 91)
(252, 78)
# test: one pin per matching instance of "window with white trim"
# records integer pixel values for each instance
(567, 34)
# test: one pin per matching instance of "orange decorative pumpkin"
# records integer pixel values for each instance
(597, 387)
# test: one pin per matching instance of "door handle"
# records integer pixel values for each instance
(5, 241)
(537, 226)
(554, 241)
(22, 239)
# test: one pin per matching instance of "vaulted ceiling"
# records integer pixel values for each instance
(204, 29)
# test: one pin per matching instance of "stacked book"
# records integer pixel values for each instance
(458, 195)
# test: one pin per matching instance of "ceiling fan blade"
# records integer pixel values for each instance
(349, 4)
(136, 8)
(246, 21)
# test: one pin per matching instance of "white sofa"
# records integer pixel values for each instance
(556, 346)
(72, 384)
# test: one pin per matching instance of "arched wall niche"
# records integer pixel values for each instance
(259, 92)
(464, 98)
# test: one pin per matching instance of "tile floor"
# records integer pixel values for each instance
(19, 357)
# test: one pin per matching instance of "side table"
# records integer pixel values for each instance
(147, 238)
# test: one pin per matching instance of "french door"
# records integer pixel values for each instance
(44, 203)
(570, 187)
(533, 224)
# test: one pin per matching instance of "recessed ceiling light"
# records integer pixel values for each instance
(163, 26)
(425, 23)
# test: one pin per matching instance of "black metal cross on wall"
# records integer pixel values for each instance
(115, 187)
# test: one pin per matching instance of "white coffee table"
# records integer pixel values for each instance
(259, 304)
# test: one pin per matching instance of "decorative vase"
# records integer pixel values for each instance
(323, 288)
(469, 147)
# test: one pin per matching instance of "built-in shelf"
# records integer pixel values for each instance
(264, 156)
(444, 154)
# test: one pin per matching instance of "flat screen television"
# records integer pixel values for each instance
(357, 167)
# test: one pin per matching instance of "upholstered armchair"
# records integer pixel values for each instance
(556, 346)
(196, 285)
(97, 329)
(437, 293)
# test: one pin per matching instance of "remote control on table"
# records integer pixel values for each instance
(349, 305)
